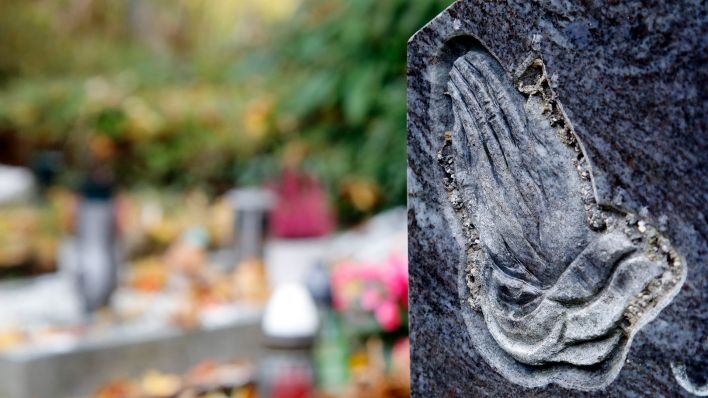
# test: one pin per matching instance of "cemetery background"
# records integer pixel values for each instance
(172, 105)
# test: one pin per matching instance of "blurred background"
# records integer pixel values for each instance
(204, 198)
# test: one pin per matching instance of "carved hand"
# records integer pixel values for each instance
(553, 290)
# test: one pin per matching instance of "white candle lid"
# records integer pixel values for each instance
(290, 313)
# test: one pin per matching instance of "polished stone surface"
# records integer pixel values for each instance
(631, 79)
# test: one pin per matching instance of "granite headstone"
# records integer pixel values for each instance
(557, 183)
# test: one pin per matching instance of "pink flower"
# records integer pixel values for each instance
(370, 284)
(371, 299)
(369, 272)
(342, 273)
(388, 316)
(395, 276)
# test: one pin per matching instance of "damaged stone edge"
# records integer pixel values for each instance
(532, 80)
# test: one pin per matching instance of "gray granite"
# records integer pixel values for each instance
(631, 80)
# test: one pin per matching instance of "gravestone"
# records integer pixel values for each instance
(557, 184)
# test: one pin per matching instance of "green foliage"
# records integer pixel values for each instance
(339, 70)
(175, 95)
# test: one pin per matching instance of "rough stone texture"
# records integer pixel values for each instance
(631, 78)
(557, 285)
